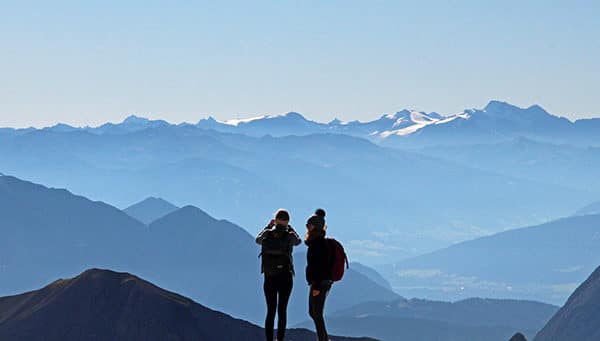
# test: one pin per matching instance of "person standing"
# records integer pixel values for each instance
(277, 239)
(318, 270)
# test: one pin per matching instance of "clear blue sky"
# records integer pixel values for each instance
(86, 62)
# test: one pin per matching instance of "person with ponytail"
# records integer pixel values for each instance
(318, 270)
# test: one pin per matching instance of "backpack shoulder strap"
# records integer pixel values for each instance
(346, 258)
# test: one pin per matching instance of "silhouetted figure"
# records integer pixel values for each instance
(518, 337)
(278, 239)
(318, 270)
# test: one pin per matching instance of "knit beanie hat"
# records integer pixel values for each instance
(318, 219)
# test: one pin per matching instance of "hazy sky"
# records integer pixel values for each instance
(86, 62)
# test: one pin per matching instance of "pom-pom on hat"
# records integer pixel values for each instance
(318, 219)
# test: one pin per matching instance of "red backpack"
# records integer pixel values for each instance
(339, 261)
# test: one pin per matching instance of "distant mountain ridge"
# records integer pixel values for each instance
(543, 262)
(225, 252)
(501, 121)
(241, 178)
(522, 157)
(497, 121)
(371, 274)
(48, 233)
(473, 319)
(150, 209)
(187, 251)
(593, 208)
(106, 305)
(401, 123)
(519, 314)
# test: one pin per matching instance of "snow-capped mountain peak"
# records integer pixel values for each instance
(287, 116)
(497, 121)
(408, 122)
(237, 122)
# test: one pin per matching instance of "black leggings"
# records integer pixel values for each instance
(278, 286)
(316, 306)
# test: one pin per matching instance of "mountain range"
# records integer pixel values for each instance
(497, 121)
(401, 123)
(468, 320)
(387, 204)
(559, 164)
(242, 178)
(500, 121)
(188, 251)
(106, 305)
(544, 262)
(477, 319)
(50, 232)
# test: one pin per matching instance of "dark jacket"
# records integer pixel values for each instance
(293, 238)
(318, 262)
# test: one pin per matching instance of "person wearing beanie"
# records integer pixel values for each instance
(318, 270)
(277, 239)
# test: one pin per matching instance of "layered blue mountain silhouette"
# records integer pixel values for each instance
(279, 125)
(500, 121)
(51, 232)
(107, 305)
(579, 318)
(471, 319)
(593, 208)
(544, 262)
(372, 274)
(240, 177)
(150, 209)
(416, 190)
(497, 121)
(202, 247)
(213, 261)
(561, 164)
(405, 121)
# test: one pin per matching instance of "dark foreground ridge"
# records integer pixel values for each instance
(518, 337)
(107, 305)
(579, 318)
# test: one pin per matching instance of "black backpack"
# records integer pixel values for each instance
(276, 254)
